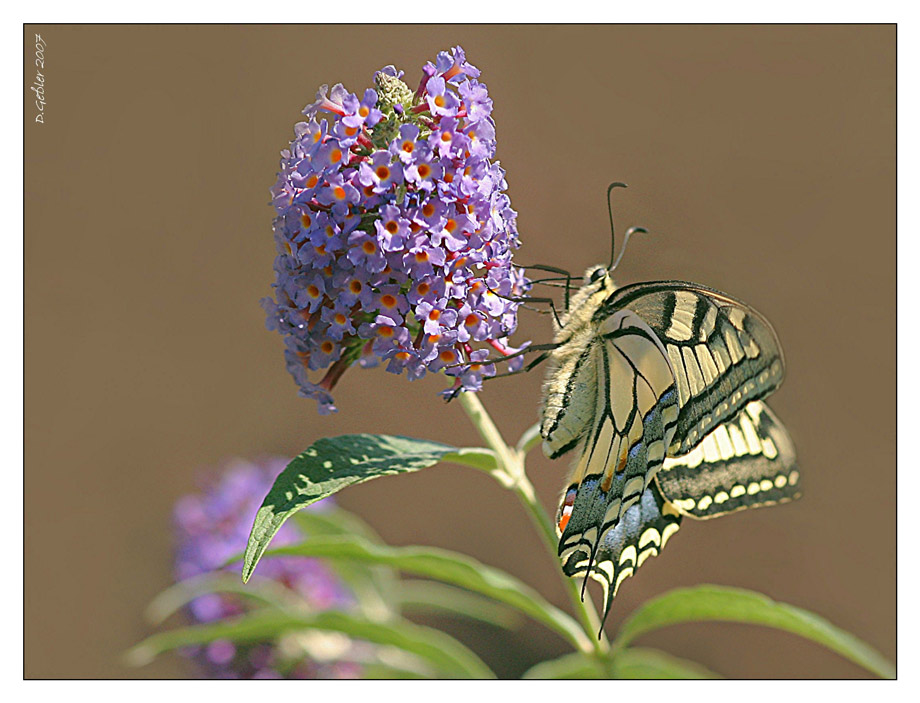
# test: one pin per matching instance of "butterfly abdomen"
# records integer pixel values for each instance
(569, 396)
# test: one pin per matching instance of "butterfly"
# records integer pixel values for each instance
(659, 386)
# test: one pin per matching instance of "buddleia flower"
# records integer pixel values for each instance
(211, 526)
(395, 234)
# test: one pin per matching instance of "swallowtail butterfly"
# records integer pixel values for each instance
(660, 387)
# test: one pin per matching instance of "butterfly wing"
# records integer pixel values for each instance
(665, 372)
(724, 354)
(642, 532)
(747, 462)
(624, 444)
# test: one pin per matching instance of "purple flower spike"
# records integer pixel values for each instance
(394, 233)
(211, 526)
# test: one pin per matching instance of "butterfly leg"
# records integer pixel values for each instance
(527, 368)
(561, 272)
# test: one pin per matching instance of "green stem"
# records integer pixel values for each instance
(511, 463)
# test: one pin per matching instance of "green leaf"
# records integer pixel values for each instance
(375, 587)
(334, 521)
(569, 666)
(328, 466)
(450, 567)
(530, 439)
(180, 594)
(737, 605)
(376, 670)
(631, 663)
(440, 598)
(474, 457)
(645, 663)
(445, 653)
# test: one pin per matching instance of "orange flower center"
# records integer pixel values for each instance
(446, 136)
(423, 288)
(335, 156)
(339, 192)
(434, 314)
(451, 225)
(312, 291)
(369, 247)
(383, 173)
(422, 257)
(392, 227)
(306, 220)
(424, 170)
(471, 319)
(428, 209)
(312, 181)
(388, 301)
(408, 147)
(355, 287)
(363, 111)
(327, 347)
(439, 100)
(385, 331)
(340, 318)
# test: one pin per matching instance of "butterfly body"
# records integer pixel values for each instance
(659, 385)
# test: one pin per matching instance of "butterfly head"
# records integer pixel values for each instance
(598, 284)
(596, 274)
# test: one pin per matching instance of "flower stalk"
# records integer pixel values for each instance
(511, 464)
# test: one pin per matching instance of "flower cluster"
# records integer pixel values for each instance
(211, 527)
(394, 233)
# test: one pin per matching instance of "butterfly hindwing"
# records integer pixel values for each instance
(724, 354)
(745, 463)
(642, 532)
(634, 414)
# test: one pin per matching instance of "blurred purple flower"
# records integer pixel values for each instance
(389, 208)
(212, 526)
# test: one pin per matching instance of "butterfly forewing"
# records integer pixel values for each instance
(745, 463)
(724, 354)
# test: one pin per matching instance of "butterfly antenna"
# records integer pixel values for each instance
(626, 237)
(613, 240)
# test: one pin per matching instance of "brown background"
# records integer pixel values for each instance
(761, 158)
